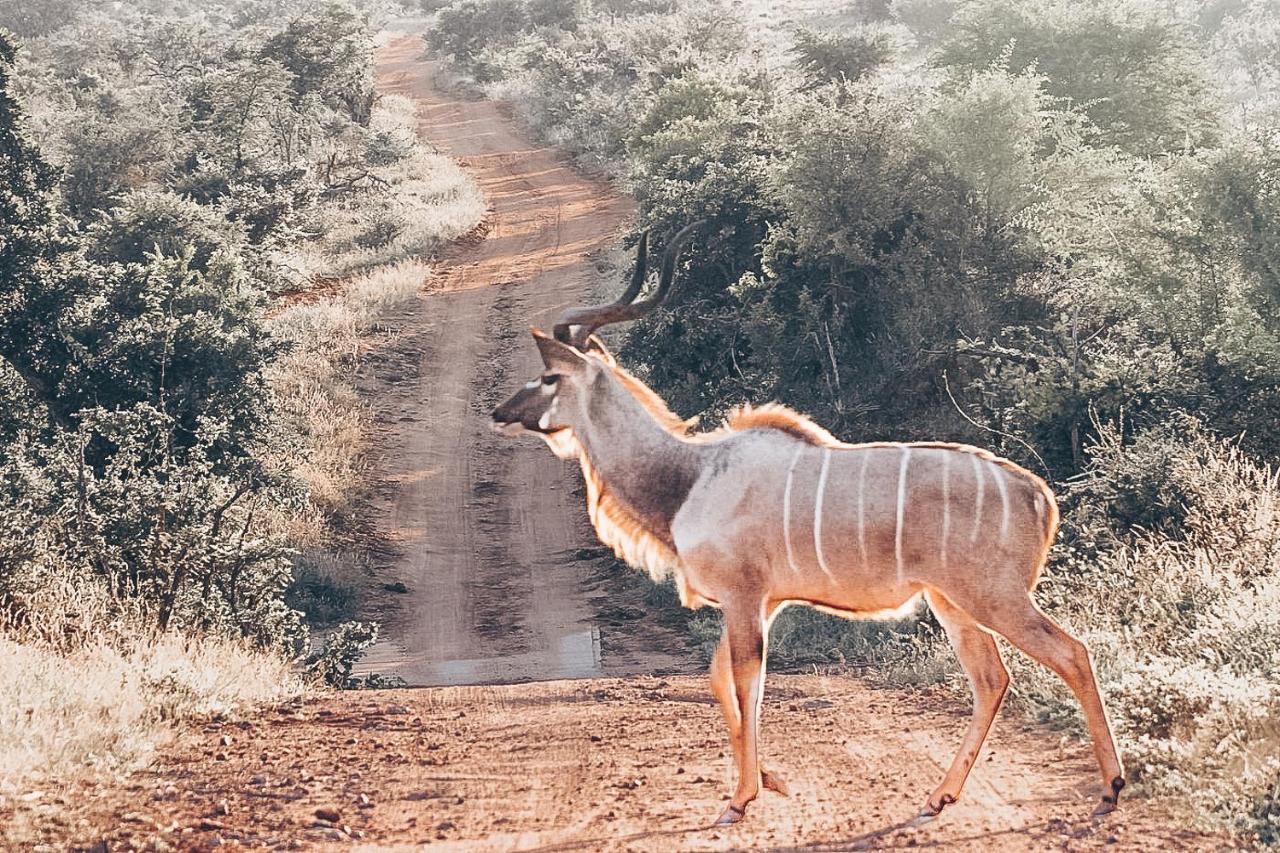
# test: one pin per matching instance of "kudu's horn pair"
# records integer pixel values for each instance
(576, 325)
(772, 510)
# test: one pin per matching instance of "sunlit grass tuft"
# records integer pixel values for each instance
(88, 687)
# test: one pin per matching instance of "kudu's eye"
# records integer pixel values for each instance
(551, 379)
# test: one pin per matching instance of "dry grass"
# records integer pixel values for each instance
(1183, 622)
(427, 201)
(88, 688)
(424, 201)
(315, 381)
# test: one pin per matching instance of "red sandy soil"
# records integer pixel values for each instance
(604, 764)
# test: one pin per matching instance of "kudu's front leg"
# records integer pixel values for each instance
(723, 689)
(737, 679)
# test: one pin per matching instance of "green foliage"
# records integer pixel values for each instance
(159, 524)
(1249, 38)
(875, 255)
(191, 345)
(323, 589)
(466, 28)
(333, 662)
(112, 146)
(148, 223)
(325, 50)
(1133, 67)
(36, 281)
(824, 57)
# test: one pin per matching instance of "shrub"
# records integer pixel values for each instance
(1135, 68)
(156, 524)
(150, 222)
(1180, 616)
(824, 57)
(340, 652)
(465, 29)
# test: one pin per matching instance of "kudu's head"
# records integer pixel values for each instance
(557, 400)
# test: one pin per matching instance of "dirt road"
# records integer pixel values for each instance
(604, 764)
(482, 530)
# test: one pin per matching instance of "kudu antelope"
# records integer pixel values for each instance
(771, 510)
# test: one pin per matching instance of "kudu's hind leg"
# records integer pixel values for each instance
(744, 648)
(978, 654)
(722, 688)
(1041, 638)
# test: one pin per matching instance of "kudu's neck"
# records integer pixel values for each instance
(637, 461)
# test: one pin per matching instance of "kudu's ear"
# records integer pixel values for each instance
(595, 345)
(557, 356)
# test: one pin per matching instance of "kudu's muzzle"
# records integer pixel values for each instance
(519, 412)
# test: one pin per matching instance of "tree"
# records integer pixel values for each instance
(37, 284)
(326, 49)
(1137, 71)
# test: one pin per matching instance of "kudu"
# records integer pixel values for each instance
(771, 510)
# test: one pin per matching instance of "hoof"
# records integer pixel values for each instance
(932, 809)
(1112, 800)
(773, 782)
(731, 814)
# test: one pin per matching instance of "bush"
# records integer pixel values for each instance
(146, 223)
(824, 57)
(1134, 68)
(1179, 482)
(465, 29)
(1180, 616)
(339, 654)
(165, 532)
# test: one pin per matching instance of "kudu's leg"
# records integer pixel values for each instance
(722, 688)
(980, 657)
(744, 640)
(1040, 637)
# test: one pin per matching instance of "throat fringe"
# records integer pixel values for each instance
(621, 531)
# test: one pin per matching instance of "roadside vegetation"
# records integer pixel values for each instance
(1048, 228)
(205, 209)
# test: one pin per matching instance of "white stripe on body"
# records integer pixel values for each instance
(902, 501)
(817, 513)
(786, 511)
(977, 510)
(1004, 502)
